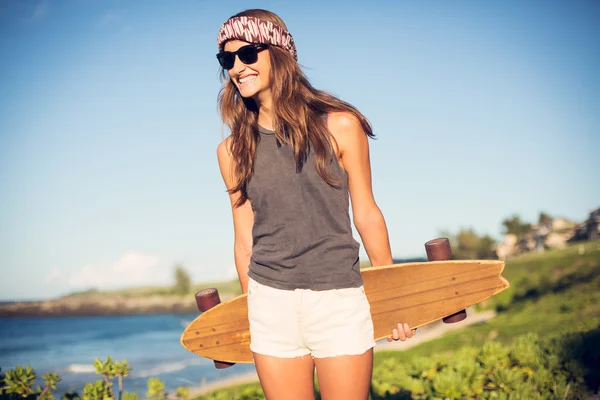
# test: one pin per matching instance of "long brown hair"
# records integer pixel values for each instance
(298, 115)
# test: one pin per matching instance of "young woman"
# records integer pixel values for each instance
(294, 157)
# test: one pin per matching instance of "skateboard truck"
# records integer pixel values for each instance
(205, 300)
(439, 250)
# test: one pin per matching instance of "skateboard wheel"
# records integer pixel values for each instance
(205, 300)
(222, 365)
(439, 250)
(459, 316)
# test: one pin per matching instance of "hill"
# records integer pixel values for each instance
(133, 301)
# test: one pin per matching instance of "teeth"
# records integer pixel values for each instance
(247, 79)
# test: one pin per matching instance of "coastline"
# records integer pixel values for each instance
(103, 305)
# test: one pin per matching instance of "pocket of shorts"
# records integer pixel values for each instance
(253, 289)
(349, 292)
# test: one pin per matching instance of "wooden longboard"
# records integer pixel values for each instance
(415, 293)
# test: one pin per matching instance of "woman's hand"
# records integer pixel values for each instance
(401, 332)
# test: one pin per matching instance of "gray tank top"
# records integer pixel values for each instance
(302, 237)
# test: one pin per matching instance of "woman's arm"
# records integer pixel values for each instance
(353, 149)
(243, 217)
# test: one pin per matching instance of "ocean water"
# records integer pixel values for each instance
(69, 346)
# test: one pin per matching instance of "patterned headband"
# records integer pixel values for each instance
(255, 30)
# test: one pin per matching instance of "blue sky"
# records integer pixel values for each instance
(109, 128)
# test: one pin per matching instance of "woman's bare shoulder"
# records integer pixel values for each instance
(342, 121)
(224, 148)
(346, 129)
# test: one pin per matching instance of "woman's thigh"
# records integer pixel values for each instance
(286, 378)
(345, 377)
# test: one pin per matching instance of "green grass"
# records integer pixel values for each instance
(551, 294)
(247, 391)
(231, 288)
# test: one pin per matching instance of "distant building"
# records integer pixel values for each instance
(588, 229)
(593, 225)
(507, 247)
(552, 234)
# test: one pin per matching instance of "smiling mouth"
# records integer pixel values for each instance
(247, 79)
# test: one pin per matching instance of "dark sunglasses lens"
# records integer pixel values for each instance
(226, 59)
(248, 54)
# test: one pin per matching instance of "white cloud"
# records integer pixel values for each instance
(132, 269)
(53, 276)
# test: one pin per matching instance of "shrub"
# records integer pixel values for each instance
(556, 368)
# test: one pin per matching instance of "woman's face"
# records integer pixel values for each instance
(250, 79)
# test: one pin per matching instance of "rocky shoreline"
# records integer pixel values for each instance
(98, 305)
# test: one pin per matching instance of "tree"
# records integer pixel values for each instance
(20, 380)
(468, 245)
(121, 369)
(50, 381)
(183, 393)
(544, 218)
(156, 389)
(96, 391)
(183, 282)
(515, 226)
(485, 249)
(107, 370)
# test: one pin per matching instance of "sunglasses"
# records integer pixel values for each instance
(247, 54)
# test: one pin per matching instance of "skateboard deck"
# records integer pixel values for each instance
(417, 293)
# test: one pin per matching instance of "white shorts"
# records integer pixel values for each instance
(294, 323)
